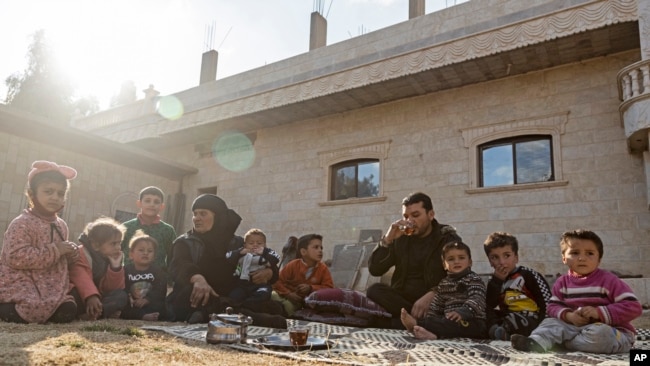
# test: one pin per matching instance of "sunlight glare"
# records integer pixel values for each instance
(113, 43)
(234, 151)
(170, 107)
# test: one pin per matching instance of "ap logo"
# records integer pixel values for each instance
(639, 357)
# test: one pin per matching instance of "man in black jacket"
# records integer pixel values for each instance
(413, 246)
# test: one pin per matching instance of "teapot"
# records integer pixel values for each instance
(228, 327)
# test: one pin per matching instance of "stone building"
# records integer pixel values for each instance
(518, 116)
(110, 174)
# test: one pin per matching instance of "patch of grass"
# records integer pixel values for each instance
(130, 331)
(100, 328)
(72, 344)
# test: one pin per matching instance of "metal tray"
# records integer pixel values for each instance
(282, 342)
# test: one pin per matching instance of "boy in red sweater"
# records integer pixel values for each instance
(300, 277)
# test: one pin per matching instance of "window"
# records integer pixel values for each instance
(516, 154)
(353, 174)
(124, 216)
(355, 179)
(518, 160)
(208, 190)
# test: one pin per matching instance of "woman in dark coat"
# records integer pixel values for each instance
(201, 272)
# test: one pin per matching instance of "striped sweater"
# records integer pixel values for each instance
(463, 293)
(615, 301)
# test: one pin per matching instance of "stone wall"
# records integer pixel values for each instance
(602, 188)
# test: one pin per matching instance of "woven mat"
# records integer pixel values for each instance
(370, 346)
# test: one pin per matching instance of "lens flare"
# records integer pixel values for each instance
(234, 151)
(170, 107)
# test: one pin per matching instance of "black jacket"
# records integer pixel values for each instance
(382, 258)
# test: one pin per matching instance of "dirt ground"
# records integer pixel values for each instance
(115, 342)
(122, 342)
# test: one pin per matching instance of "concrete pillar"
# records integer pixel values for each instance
(416, 8)
(643, 7)
(317, 31)
(150, 92)
(646, 164)
(209, 66)
(150, 100)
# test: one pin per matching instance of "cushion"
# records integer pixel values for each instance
(344, 301)
(330, 318)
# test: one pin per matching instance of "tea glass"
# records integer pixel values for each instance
(298, 335)
(407, 228)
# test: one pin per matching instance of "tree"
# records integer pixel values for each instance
(86, 106)
(127, 94)
(42, 89)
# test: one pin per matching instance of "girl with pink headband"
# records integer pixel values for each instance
(34, 279)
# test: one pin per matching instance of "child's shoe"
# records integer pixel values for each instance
(65, 313)
(499, 333)
(526, 344)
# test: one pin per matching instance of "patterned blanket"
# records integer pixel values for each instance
(370, 346)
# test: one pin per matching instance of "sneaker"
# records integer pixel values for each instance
(499, 333)
(526, 344)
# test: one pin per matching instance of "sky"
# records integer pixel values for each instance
(103, 43)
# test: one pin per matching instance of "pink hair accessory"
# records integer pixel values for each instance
(40, 166)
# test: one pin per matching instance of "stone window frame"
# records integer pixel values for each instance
(377, 151)
(553, 125)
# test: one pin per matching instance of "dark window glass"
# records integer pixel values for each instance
(517, 160)
(355, 179)
(124, 216)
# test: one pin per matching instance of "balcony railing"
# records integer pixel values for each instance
(634, 81)
(634, 92)
(115, 116)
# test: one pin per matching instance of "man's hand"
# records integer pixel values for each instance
(201, 291)
(392, 234)
(421, 306)
(261, 276)
(94, 307)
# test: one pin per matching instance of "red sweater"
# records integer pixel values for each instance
(295, 273)
(81, 276)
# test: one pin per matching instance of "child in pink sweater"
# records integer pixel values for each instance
(34, 280)
(590, 310)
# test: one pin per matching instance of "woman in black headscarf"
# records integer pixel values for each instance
(200, 270)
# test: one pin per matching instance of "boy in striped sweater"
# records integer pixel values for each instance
(458, 307)
(590, 310)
